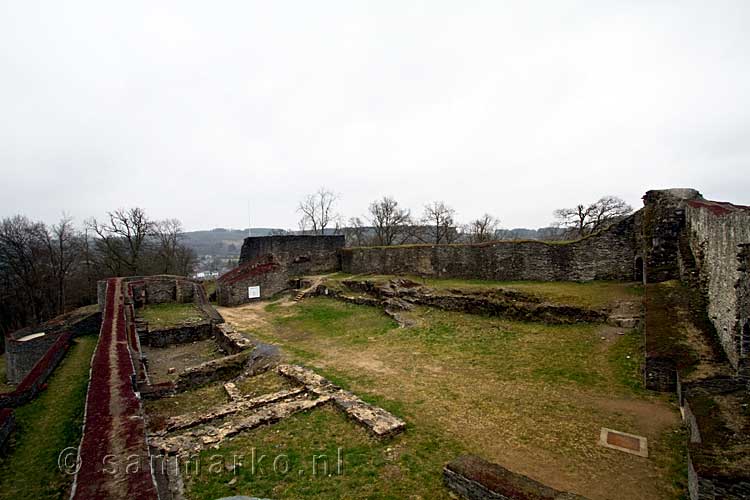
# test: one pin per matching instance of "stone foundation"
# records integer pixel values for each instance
(230, 341)
(378, 421)
(220, 369)
(177, 335)
(472, 478)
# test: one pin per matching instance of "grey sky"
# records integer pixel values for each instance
(189, 109)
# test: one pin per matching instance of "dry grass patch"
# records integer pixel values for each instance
(529, 396)
(265, 383)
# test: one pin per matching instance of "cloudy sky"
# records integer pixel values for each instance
(195, 109)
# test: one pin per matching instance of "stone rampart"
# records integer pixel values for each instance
(718, 236)
(300, 254)
(609, 254)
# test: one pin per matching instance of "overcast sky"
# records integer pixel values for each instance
(192, 109)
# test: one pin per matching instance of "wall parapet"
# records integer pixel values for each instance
(607, 255)
(34, 381)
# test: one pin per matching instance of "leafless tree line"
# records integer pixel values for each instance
(388, 223)
(45, 270)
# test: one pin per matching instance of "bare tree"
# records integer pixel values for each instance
(482, 229)
(355, 233)
(317, 211)
(168, 234)
(389, 221)
(65, 247)
(582, 220)
(24, 266)
(123, 239)
(439, 217)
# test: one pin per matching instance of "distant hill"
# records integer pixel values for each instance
(222, 242)
(520, 233)
(226, 243)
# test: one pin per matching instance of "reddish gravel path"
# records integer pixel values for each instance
(114, 457)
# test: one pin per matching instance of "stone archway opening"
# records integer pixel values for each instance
(638, 269)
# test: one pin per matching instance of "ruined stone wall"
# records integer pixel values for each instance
(716, 234)
(158, 289)
(606, 255)
(269, 275)
(177, 335)
(21, 356)
(34, 381)
(743, 307)
(301, 254)
(663, 221)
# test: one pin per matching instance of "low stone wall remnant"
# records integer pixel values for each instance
(473, 478)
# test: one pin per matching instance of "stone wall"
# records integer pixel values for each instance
(225, 368)
(663, 220)
(229, 340)
(158, 289)
(473, 478)
(184, 334)
(609, 254)
(717, 232)
(35, 380)
(22, 355)
(265, 272)
(300, 254)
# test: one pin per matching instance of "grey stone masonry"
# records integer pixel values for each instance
(719, 234)
(300, 254)
(376, 420)
(606, 255)
(473, 478)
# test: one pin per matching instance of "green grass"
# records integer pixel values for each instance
(45, 427)
(509, 350)
(517, 393)
(169, 315)
(408, 465)
(348, 323)
(667, 336)
(194, 400)
(265, 383)
(209, 286)
(626, 358)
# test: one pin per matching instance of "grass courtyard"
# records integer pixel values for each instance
(46, 426)
(169, 315)
(529, 396)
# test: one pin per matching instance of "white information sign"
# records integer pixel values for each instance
(253, 292)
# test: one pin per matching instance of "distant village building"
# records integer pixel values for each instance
(206, 275)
